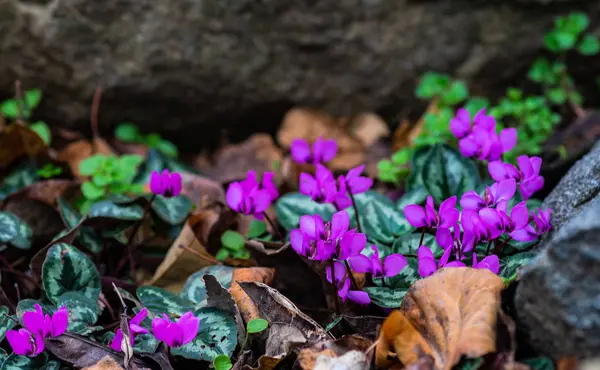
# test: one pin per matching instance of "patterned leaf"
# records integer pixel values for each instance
(217, 335)
(105, 208)
(83, 312)
(87, 236)
(14, 231)
(25, 305)
(161, 301)
(539, 363)
(194, 289)
(416, 196)
(385, 297)
(417, 161)
(291, 207)
(66, 269)
(409, 244)
(389, 291)
(5, 322)
(380, 219)
(40, 362)
(510, 265)
(173, 210)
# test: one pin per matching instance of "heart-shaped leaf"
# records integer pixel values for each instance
(5, 322)
(390, 291)
(173, 210)
(66, 269)
(291, 207)
(86, 235)
(108, 209)
(379, 218)
(40, 362)
(195, 290)
(217, 335)
(160, 301)
(26, 305)
(14, 231)
(418, 195)
(257, 325)
(417, 161)
(385, 297)
(409, 244)
(83, 312)
(510, 265)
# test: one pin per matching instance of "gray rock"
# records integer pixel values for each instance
(558, 297)
(580, 185)
(188, 67)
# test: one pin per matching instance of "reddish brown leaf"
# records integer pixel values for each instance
(17, 141)
(247, 275)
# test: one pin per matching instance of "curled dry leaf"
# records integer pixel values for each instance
(107, 363)
(180, 263)
(249, 275)
(258, 152)
(307, 358)
(79, 150)
(447, 315)
(219, 297)
(368, 128)
(17, 141)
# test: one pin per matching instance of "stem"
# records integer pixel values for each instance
(108, 307)
(213, 261)
(273, 226)
(245, 341)
(94, 112)
(422, 237)
(349, 271)
(355, 212)
(19, 96)
(335, 288)
(129, 245)
(487, 250)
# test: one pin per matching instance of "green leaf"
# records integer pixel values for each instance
(101, 180)
(87, 236)
(539, 363)
(40, 362)
(257, 228)
(539, 70)
(380, 219)
(92, 191)
(557, 96)
(222, 362)
(5, 322)
(470, 364)
(409, 244)
(510, 265)
(558, 41)
(576, 22)
(10, 109)
(290, 207)
(129, 162)
(475, 104)
(161, 301)
(402, 156)
(132, 212)
(256, 326)
(3, 356)
(233, 240)
(145, 343)
(431, 85)
(417, 195)
(333, 323)
(194, 289)
(217, 335)
(14, 231)
(26, 305)
(127, 131)
(92, 164)
(589, 45)
(83, 311)
(43, 131)
(174, 210)
(404, 279)
(23, 238)
(385, 297)
(222, 254)
(417, 162)
(456, 93)
(33, 98)
(167, 148)
(66, 269)
(446, 173)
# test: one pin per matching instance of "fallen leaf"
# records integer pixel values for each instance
(570, 363)
(406, 133)
(48, 191)
(249, 275)
(107, 363)
(353, 360)
(368, 128)
(18, 140)
(447, 315)
(202, 191)
(43, 219)
(307, 358)
(267, 362)
(258, 152)
(179, 263)
(219, 297)
(79, 150)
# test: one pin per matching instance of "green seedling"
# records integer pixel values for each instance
(49, 170)
(23, 108)
(254, 326)
(222, 362)
(234, 242)
(128, 132)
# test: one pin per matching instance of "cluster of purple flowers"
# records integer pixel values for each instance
(527, 176)
(166, 184)
(478, 138)
(484, 219)
(29, 341)
(251, 197)
(333, 243)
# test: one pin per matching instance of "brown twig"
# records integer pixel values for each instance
(22, 275)
(94, 116)
(19, 100)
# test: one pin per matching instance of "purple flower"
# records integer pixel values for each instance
(165, 184)
(134, 329)
(447, 239)
(427, 264)
(30, 341)
(498, 222)
(473, 226)
(491, 263)
(322, 241)
(527, 176)
(343, 284)
(25, 343)
(178, 333)
(391, 266)
(249, 197)
(419, 217)
(322, 151)
(541, 219)
(321, 188)
(352, 183)
(499, 191)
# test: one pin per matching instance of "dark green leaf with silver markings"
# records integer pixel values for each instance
(105, 208)
(380, 219)
(83, 312)
(291, 207)
(418, 195)
(194, 289)
(173, 210)
(40, 362)
(161, 301)
(509, 265)
(409, 244)
(5, 322)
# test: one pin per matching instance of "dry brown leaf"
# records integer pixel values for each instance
(406, 133)
(258, 153)
(267, 362)
(368, 128)
(179, 263)
(447, 315)
(570, 363)
(202, 191)
(307, 358)
(17, 141)
(79, 150)
(107, 363)
(247, 275)
(49, 191)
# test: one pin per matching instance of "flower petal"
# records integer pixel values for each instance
(175, 184)
(525, 234)
(393, 264)
(60, 321)
(339, 224)
(189, 325)
(116, 342)
(467, 146)
(508, 138)
(525, 166)
(360, 263)
(308, 184)
(262, 201)
(444, 238)
(35, 321)
(506, 190)
(300, 151)
(234, 196)
(471, 200)
(139, 317)
(328, 150)
(360, 184)
(415, 215)
(497, 170)
(520, 215)
(359, 297)
(491, 263)
(298, 242)
(20, 341)
(156, 186)
(460, 126)
(427, 267)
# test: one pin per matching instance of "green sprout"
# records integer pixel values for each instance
(222, 362)
(234, 242)
(23, 109)
(108, 175)
(49, 170)
(254, 326)
(128, 132)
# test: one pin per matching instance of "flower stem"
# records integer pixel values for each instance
(335, 288)
(422, 237)
(273, 226)
(94, 112)
(487, 250)
(129, 245)
(349, 271)
(355, 212)
(244, 344)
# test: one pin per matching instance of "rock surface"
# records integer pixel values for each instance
(558, 297)
(191, 68)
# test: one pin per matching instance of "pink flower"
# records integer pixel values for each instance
(527, 176)
(25, 343)
(30, 341)
(321, 188)
(322, 151)
(491, 263)
(499, 191)
(134, 329)
(352, 183)
(419, 217)
(249, 197)
(541, 219)
(165, 184)
(391, 266)
(498, 222)
(178, 333)
(427, 263)
(343, 285)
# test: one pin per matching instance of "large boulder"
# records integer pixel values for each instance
(191, 66)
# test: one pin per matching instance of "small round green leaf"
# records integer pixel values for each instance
(257, 228)
(222, 362)
(127, 131)
(43, 131)
(33, 98)
(92, 191)
(10, 109)
(167, 148)
(233, 240)
(91, 164)
(589, 45)
(257, 325)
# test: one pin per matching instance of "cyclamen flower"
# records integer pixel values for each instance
(322, 241)
(527, 176)
(419, 217)
(541, 225)
(427, 264)
(321, 188)
(343, 284)
(134, 329)
(249, 197)
(498, 192)
(178, 333)
(447, 239)
(322, 151)
(352, 183)
(391, 266)
(165, 184)
(498, 222)
(491, 263)
(30, 341)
